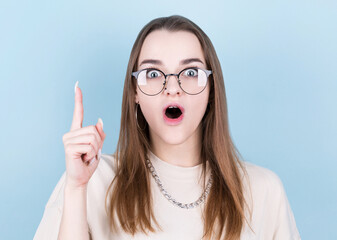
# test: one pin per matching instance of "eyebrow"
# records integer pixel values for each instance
(182, 62)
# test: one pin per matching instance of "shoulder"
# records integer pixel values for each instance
(102, 176)
(264, 191)
(262, 187)
(96, 192)
(261, 177)
(272, 216)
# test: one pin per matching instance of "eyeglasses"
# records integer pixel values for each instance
(152, 81)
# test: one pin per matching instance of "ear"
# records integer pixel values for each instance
(136, 98)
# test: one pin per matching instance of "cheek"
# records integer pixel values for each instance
(199, 105)
(197, 111)
(150, 110)
(147, 114)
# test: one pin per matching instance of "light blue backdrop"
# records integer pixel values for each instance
(279, 60)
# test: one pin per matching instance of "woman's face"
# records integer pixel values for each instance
(170, 48)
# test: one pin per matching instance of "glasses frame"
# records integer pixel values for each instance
(208, 72)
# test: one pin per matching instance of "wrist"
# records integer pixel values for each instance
(70, 187)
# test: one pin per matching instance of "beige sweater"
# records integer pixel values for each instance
(272, 216)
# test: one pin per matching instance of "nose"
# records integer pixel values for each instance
(172, 87)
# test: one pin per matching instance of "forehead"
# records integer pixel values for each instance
(171, 47)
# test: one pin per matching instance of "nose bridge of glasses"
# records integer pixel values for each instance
(171, 74)
(175, 81)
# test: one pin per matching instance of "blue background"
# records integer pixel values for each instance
(279, 59)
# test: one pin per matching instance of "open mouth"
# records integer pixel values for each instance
(173, 112)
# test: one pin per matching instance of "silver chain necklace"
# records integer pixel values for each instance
(201, 199)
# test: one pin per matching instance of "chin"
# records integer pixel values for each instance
(174, 137)
(174, 140)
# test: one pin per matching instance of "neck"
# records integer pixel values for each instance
(185, 154)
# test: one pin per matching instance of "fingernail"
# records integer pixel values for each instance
(99, 154)
(76, 84)
(101, 121)
(92, 160)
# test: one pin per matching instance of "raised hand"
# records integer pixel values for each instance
(81, 145)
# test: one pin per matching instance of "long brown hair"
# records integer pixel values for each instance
(130, 193)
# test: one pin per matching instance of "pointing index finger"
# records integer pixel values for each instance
(78, 109)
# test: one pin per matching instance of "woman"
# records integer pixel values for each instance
(176, 173)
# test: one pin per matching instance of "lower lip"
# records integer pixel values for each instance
(173, 121)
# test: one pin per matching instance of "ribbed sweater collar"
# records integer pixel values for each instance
(168, 170)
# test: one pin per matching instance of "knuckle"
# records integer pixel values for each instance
(64, 137)
(91, 148)
(93, 128)
(67, 148)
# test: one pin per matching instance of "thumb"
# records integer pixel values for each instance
(99, 127)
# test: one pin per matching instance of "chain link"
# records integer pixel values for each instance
(201, 199)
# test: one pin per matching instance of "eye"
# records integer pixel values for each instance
(191, 72)
(153, 74)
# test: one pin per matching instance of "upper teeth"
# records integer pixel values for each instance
(172, 107)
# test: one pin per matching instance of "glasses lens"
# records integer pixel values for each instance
(151, 81)
(193, 80)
